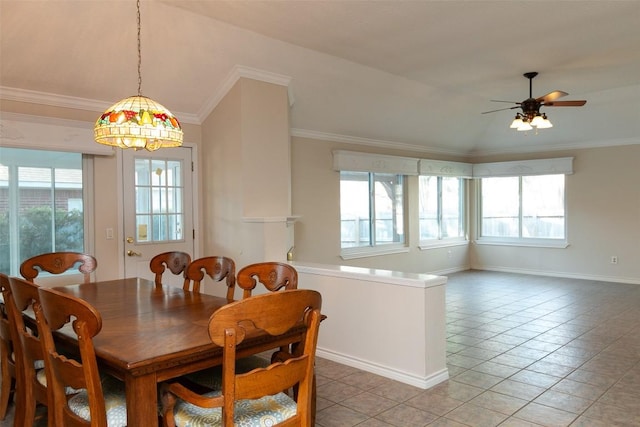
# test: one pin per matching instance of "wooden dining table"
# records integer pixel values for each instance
(155, 333)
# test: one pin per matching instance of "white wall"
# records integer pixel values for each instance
(603, 220)
(603, 217)
(388, 323)
(245, 174)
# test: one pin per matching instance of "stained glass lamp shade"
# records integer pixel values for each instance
(138, 122)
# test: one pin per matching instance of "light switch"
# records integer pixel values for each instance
(109, 233)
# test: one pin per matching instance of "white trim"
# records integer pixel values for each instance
(376, 163)
(54, 100)
(237, 72)
(195, 199)
(562, 165)
(563, 274)
(271, 219)
(369, 251)
(88, 207)
(524, 242)
(393, 277)
(442, 243)
(120, 212)
(385, 371)
(65, 101)
(368, 142)
(581, 145)
(44, 133)
(444, 168)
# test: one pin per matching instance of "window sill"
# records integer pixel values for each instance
(434, 244)
(534, 243)
(353, 253)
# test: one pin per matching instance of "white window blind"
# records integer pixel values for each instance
(377, 163)
(444, 168)
(563, 165)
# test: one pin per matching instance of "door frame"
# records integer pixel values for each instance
(195, 205)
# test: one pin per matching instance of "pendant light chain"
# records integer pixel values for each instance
(139, 52)
(138, 122)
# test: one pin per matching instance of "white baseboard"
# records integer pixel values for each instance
(385, 371)
(563, 274)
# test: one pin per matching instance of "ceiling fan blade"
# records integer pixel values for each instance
(510, 102)
(501, 109)
(579, 103)
(552, 96)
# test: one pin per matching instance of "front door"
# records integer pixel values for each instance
(158, 207)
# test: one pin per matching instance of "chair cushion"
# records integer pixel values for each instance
(212, 377)
(264, 412)
(41, 376)
(115, 402)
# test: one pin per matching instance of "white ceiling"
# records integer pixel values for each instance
(409, 74)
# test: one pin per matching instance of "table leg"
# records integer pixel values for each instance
(142, 400)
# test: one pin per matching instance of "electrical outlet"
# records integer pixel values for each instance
(614, 259)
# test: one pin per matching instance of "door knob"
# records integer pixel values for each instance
(129, 239)
(133, 253)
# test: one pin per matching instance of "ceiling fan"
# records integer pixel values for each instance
(531, 116)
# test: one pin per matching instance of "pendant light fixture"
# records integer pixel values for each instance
(137, 121)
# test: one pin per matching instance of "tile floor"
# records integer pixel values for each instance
(521, 350)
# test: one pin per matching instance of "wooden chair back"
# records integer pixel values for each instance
(273, 275)
(28, 349)
(7, 355)
(177, 262)
(54, 311)
(273, 313)
(217, 268)
(58, 263)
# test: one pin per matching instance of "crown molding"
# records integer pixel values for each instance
(557, 147)
(65, 101)
(237, 72)
(55, 100)
(324, 136)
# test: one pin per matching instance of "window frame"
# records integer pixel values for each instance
(440, 241)
(87, 201)
(374, 248)
(546, 242)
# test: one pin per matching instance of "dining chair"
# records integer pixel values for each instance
(31, 380)
(176, 261)
(273, 275)
(58, 263)
(217, 268)
(256, 397)
(7, 355)
(101, 400)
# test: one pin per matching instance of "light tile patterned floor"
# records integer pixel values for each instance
(521, 350)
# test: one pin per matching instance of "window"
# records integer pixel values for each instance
(41, 205)
(526, 208)
(158, 193)
(441, 208)
(371, 209)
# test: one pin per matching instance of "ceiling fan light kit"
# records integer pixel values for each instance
(530, 117)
